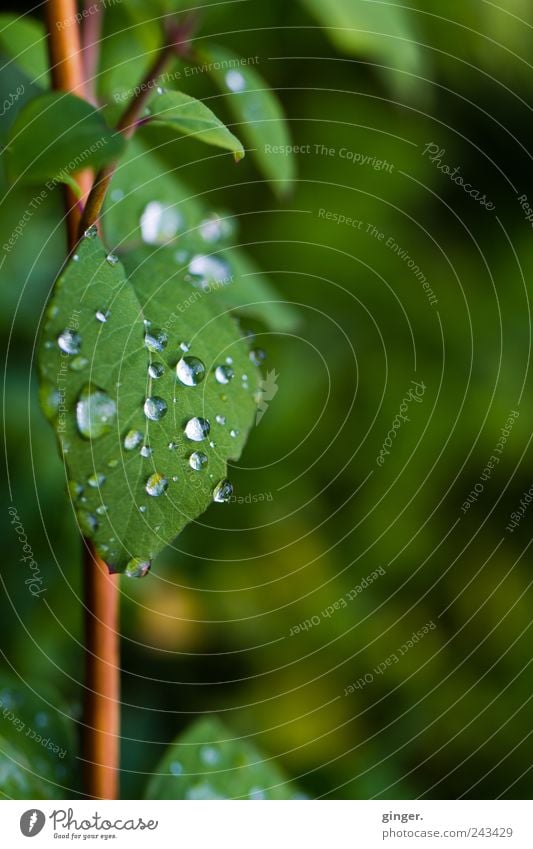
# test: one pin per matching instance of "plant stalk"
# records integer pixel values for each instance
(101, 712)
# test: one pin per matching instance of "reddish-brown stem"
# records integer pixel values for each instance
(101, 717)
(90, 39)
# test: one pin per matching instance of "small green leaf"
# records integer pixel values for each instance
(258, 111)
(379, 30)
(54, 136)
(37, 742)
(137, 377)
(207, 762)
(23, 39)
(191, 117)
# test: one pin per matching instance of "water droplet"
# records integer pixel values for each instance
(69, 341)
(137, 567)
(78, 363)
(175, 768)
(229, 360)
(209, 270)
(214, 228)
(212, 444)
(235, 81)
(41, 719)
(175, 478)
(257, 356)
(159, 224)
(234, 432)
(155, 340)
(132, 439)
(156, 484)
(112, 464)
(209, 755)
(116, 195)
(95, 412)
(221, 420)
(172, 446)
(155, 408)
(190, 371)
(223, 374)
(142, 508)
(156, 370)
(91, 232)
(52, 311)
(75, 257)
(96, 480)
(185, 346)
(146, 451)
(257, 793)
(75, 489)
(197, 429)
(198, 460)
(112, 259)
(102, 509)
(49, 397)
(87, 522)
(102, 315)
(222, 491)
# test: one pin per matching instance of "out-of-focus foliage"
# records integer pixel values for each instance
(214, 626)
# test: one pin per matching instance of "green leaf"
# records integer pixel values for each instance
(191, 117)
(37, 742)
(380, 30)
(24, 40)
(207, 762)
(258, 111)
(54, 136)
(121, 427)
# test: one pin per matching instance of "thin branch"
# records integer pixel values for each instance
(101, 719)
(91, 33)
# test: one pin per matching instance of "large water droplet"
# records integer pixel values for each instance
(156, 484)
(95, 412)
(190, 371)
(156, 370)
(198, 461)
(132, 439)
(69, 341)
(222, 491)
(155, 408)
(155, 340)
(235, 81)
(159, 224)
(223, 374)
(137, 567)
(197, 429)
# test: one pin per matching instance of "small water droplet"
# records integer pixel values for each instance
(75, 257)
(160, 89)
(155, 408)
(142, 508)
(91, 232)
(112, 464)
(75, 489)
(235, 81)
(175, 478)
(223, 374)
(212, 444)
(102, 315)
(132, 439)
(69, 341)
(87, 522)
(214, 228)
(146, 451)
(185, 346)
(95, 412)
(257, 356)
(112, 259)
(156, 370)
(50, 398)
(156, 484)
(208, 270)
(172, 446)
(175, 768)
(137, 567)
(222, 491)
(102, 509)
(96, 480)
(209, 755)
(78, 363)
(221, 420)
(198, 460)
(229, 360)
(155, 340)
(190, 371)
(159, 224)
(234, 432)
(197, 429)
(116, 195)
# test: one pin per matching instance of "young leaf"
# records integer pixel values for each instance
(144, 383)
(379, 30)
(191, 117)
(54, 136)
(23, 39)
(37, 742)
(257, 110)
(206, 762)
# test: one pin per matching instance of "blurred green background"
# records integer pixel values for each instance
(209, 630)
